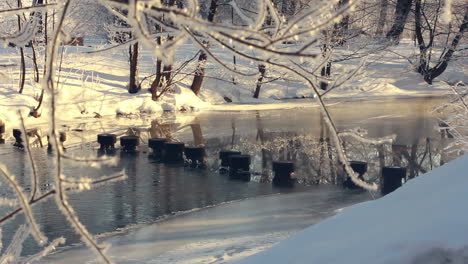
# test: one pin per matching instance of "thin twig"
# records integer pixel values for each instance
(34, 181)
(37, 234)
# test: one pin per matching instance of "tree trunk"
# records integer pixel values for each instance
(133, 52)
(39, 16)
(200, 72)
(423, 64)
(22, 71)
(35, 111)
(46, 38)
(34, 59)
(382, 18)
(402, 9)
(42, 30)
(262, 70)
(23, 63)
(156, 81)
(164, 75)
(32, 42)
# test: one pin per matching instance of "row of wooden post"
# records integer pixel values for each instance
(232, 162)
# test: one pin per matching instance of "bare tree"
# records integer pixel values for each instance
(427, 26)
(200, 72)
(382, 18)
(262, 71)
(163, 72)
(133, 86)
(23, 63)
(402, 9)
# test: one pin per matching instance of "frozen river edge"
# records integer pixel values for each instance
(220, 234)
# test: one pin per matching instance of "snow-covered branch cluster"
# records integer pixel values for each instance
(62, 182)
(260, 40)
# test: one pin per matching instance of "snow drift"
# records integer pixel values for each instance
(422, 222)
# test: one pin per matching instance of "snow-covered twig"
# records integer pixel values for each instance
(34, 178)
(44, 252)
(36, 232)
(13, 252)
(21, 10)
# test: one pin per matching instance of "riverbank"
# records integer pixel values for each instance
(94, 84)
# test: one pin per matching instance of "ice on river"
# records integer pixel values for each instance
(220, 234)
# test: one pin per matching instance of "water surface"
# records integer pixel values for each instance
(154, 190)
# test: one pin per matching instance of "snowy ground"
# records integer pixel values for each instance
(96, 83)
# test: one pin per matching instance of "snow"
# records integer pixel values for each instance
(93, 83)
(422, 222)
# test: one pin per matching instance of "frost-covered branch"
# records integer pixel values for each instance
(34, 178)
(61, 186)
(12, 253)
(36, 232)
(44, 252)
(21, 10)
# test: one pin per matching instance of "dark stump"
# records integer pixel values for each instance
(107, 141)
(282, 173)
(18, 140)
(174, 152)
(195, 156)
(392, 178)
(129, 143)
(224, 156)
(157, 145)
(238, 164)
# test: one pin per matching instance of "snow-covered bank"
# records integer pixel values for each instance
(424, 222)
(95, 83)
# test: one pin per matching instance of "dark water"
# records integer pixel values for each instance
(154, 190)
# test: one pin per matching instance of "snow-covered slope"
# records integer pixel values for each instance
(424, 222)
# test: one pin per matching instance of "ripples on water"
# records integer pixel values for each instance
(154, 190)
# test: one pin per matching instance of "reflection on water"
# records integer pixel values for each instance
(154, 190)
(301, 136)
